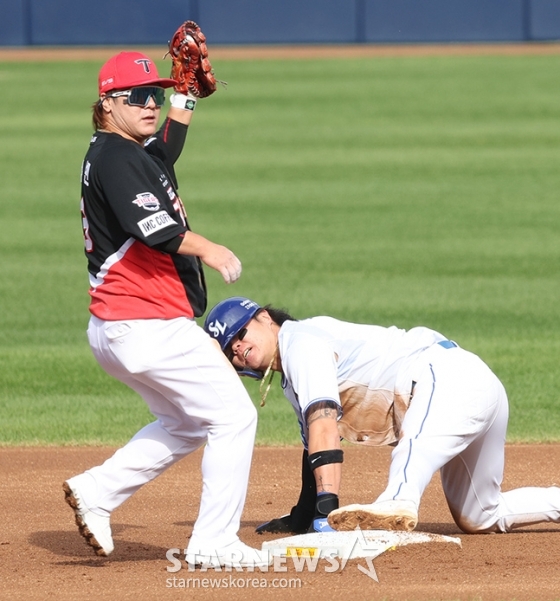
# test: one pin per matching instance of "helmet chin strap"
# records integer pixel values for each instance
(267, 373)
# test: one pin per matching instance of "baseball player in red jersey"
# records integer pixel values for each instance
(147, 286)
(440, 406)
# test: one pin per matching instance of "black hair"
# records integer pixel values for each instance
(279, 316)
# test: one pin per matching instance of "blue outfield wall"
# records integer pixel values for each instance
(544, 19)
(14, 21)
(145, 22)
(446, 20)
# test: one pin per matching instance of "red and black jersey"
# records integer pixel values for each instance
(133, 221)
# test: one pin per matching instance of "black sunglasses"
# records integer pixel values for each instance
(240, 335)
(141, 96)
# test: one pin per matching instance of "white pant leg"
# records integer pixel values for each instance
(472, 485)
(197, 397)
(148, 454)
(455, 401)
(457, 422)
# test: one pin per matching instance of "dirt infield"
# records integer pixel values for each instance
(272, 52)
(43, 557)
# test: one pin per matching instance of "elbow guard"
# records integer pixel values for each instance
(324, 457)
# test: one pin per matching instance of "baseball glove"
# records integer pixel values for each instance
(191, 67)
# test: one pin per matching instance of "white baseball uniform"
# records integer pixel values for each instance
(144, 297)
(440, 405)
(198, 399)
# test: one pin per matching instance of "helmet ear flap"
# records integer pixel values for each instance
(250, 373)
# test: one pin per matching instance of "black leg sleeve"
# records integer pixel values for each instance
(303, 513)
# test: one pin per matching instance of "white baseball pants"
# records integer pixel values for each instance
(198, 399)
(457, 423)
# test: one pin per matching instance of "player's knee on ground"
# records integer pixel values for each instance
(476, 524)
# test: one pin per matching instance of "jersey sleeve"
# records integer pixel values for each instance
(309, 364)
(167, 145)
(141, 196)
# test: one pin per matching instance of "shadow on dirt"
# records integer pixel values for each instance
(69, 543)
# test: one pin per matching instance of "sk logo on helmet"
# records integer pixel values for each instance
(217, 328)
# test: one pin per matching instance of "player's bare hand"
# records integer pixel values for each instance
(224, 261)
(214, 255)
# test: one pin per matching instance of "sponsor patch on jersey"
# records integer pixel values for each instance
(146, 200)
(155, 223)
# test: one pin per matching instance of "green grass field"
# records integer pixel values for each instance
(407, 191)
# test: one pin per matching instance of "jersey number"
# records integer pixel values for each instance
(88, 242)
(180, 208)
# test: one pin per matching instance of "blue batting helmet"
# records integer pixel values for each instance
(226, 319)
